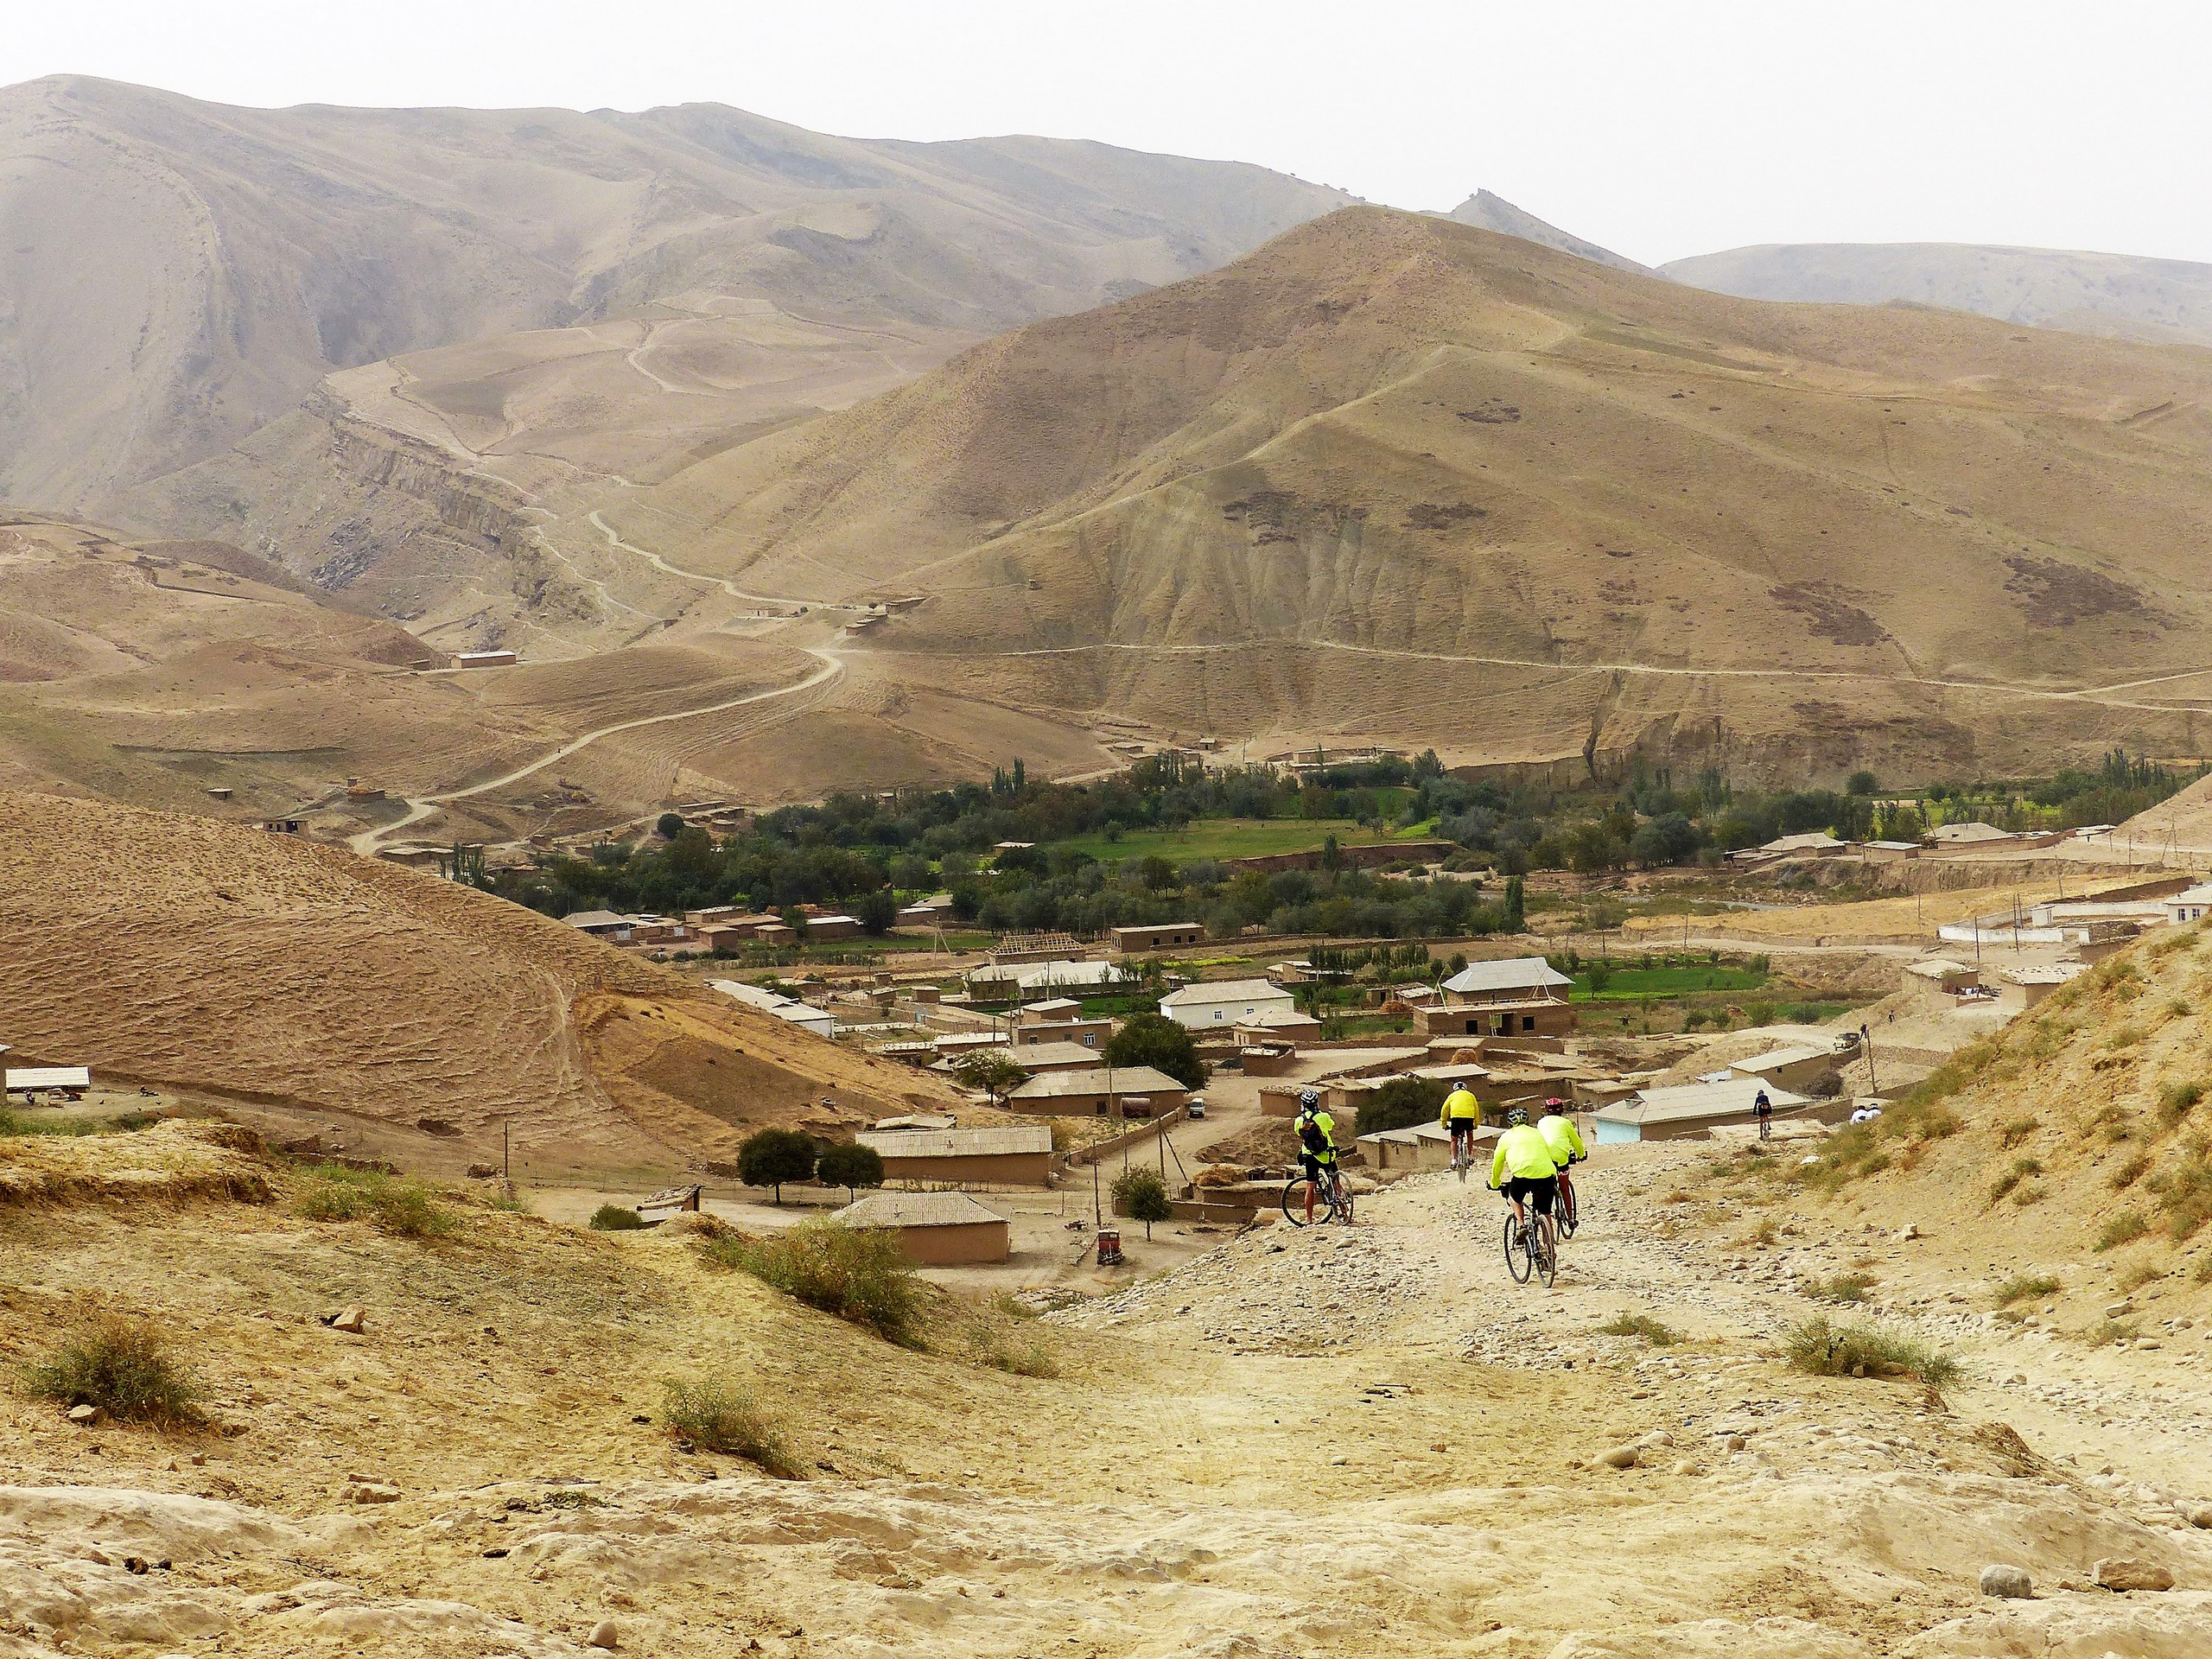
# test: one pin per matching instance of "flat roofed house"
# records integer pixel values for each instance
(1225, 1002)
(484, 659)
(1278, 1025)
(69, 1080)
(2031, 985)
(1167, 936)
(2189, 904)
(1054, 1056)
(1017, 1155)
(1687, 1112)
(1943, 974)
(603, 925)
(935, 1230)
(1130, 1091)
(1795, 1067)
(1423, 1146)
(1968, 834)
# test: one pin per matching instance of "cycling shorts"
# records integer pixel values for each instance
(1465, 1125)
(1540, 1192)
(1314, 1166)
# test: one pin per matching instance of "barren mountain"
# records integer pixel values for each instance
(2135, 298)
(197, 268)
(1487, 211)
(1280, 499)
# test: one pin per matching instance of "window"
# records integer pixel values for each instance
(1217, 1013)
(1528, 1022)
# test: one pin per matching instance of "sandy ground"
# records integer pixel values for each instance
(1366, 1440)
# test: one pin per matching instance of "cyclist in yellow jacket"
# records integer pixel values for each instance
(1317, 1144)
(1523, 1169)
(1565, 1142)
(1461, 1114)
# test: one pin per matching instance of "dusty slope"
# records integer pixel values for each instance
(2122, 294)
(198, 267)
(1618, 511)
(321, 988)
(1368, 1444)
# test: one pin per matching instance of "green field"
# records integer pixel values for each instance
(1631, 984)
(1227, 838)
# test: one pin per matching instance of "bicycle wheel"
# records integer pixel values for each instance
(1566, 1214)
(1342, 1198)
(1518, 1261)
(1294, 1202)
(1543, 1251)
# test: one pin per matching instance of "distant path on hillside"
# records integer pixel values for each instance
(422, 806)
(730, 587)
(2085, 694)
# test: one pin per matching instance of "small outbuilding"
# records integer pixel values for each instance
(1168, 936)
(1941, 973)
(935, 1230)
(70, 1082)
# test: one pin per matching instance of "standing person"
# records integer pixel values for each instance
(1762, 1109)
(1317, 1144)
(1461, 1113)
(1565, 1142)
(1522, 1168)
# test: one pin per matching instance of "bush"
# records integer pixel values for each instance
(1400, 1103)
(714, 1419)
(849, 1165)
(858, 1274)
(2176, 1101)
(1844, 1287)
(2124, 1228)
(613, 1218)
(2025, 1287)
(1824, 1349)
(771, 1157)
(1140, 1194)
(1155, 1040)
(403, 1208)
(124, 1367)
(2131, 1171)
(2022, 1168)
(2017, 1130)
(1640, 1324)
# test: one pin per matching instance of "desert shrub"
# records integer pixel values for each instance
(1027, 1356)
(2125, 1035)
(1140, 1194)
(1694, 1020)
(2201, 1272)
(2176, 1101)
(613, 1218)
(392, 1204)
(2184, 1190)
(2025, 1287)
(1843, 1287)
(2016, 1130)
(126, 1368)
(2028, 1195)
(858, 1274)
(2123, 1227)
(711, 1416)
(1825, 1348)
(849, 1165)
(2021, 1169)
(2138, 1276)
(1640, 1324)
(2129, 1173)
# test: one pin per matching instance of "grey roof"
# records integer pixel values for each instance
(1227, 990)
(1780, 1057)
(1513, 974)
(915, 1210)
(991, 1142)
(1056, 1055)
(597, 919)
(1120, 1080)
(1696, 1100)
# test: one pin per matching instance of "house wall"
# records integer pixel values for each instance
(1200, 1015)
(1091, 1033)
(1545, 1019)
(1156, 938)
(1268, 1063)
(1151, 1105)
(994, 1169)
(959, 1245)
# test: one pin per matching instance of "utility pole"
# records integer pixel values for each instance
(504, 1174)
(1866, 1041)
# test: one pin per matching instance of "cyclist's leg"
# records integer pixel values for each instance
(1313, 1182)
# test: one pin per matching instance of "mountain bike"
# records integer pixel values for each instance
(1531, 1249)
(1331, 1198)
(1567, 1213)
(1463, 1153)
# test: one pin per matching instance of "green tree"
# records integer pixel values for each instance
(1140, 1194)
(1517, 904)
(670, 825)
(1596, 975)
(1332, 854)
(992, 1071)
(1400, 1104)
(876, 912)
(1862, 783)
(771, 1157)
(1154, 1039)
(849, 1165)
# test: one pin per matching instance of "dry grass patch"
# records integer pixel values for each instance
(126, 1368)
(2122, 1228)
(858, 1274)
(2018, 1129)
(2021, 1169)
(1824, 1349)
(1641, 1324)
(1844, 1287)
(2130, 1172)
(712, 1417)
(2025, 1287)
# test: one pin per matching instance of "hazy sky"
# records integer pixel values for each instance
(1658, 129)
